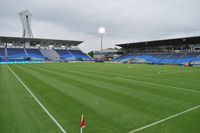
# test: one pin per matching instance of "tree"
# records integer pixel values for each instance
(91, 54)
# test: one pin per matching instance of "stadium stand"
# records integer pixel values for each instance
(65, 55)
(21, 54)
(73, 55)
(117, 59)
(2, 52)
(178, 51)
(196, 61)
(16, 54)
(51, 54)
(37, 49)
(35, 54)
(174, 58)
(78, 54)
(187, 58)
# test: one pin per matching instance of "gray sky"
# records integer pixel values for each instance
(124, 20)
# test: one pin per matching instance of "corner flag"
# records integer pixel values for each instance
(82, 125)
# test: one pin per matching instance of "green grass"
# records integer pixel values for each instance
(115, 98)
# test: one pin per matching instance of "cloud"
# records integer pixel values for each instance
(127, 20)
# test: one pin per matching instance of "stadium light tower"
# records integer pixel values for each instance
(25, 17)
(102, 31)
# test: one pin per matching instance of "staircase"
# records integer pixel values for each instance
(197, 57)
(50, 54)
(6, 52)
(70, 53)
(25, 52)
(176, 60)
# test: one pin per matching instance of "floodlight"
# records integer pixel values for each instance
(10, 44)
(102, 30)
(37, 45)
(51, 46)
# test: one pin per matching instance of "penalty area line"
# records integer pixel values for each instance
(36, 99)
(165, 119)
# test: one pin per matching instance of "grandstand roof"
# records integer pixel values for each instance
(166, 42)
(41, 41)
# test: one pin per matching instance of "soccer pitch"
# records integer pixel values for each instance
(114, 98)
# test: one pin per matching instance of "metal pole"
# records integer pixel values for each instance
(101, 46)
(81, 130)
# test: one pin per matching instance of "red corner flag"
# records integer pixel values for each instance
(82, 125)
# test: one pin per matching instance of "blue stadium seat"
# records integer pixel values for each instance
(187, 58)
(35, 54)
(64, 54)
(16, 54)
(73, 55)
(2, 53)
(165, 58)
(78, 54)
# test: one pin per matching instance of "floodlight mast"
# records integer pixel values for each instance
(102, 31)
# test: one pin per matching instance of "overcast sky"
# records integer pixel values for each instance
(124, 20)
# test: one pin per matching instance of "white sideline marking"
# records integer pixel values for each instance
(174, 72)
(155, 84)
(163, 120)
(167, 72)
(49, 114)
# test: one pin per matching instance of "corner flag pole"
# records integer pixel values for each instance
(82, 125)
(81, 130)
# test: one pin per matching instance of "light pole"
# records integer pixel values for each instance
(102, 31)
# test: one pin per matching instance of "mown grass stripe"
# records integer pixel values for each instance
(50, 71)
(113, 104)
(165, 119)
(108, 83)
(162, 85)
(38, 101)
(78, 93)
(127, 76)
